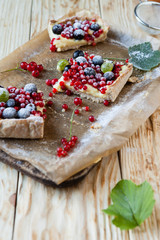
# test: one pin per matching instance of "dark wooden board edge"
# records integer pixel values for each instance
(29, 170)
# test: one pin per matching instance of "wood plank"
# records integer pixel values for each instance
(8, 186)
(15, 24)
(139, 157)
(120, 15)
(47, 213)
(14, 31)
(43, 11)
(140, 161)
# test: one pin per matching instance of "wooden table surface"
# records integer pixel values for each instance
(28, 209)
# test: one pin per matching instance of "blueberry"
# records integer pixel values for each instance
(78, 34)
(9, 112)
(23, 113)
(97, 60)
(81, 59)
(89, 71)
(31, 107)
(67, 67)
(108, 75)
(1, 86)
(78, 53)
(57, 29)
(77, 25)
(30, 87)
(95, 26)
(10, 103)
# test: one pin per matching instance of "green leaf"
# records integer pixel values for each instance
(143, 57)
(132, 204)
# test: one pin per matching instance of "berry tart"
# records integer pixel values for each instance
(93, 77)
(21, 112)
(75, 30)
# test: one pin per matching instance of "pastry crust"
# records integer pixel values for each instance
(65, 44)
(112, 90)
(29, 128)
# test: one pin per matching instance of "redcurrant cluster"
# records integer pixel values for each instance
(32, 67)
(67, 146)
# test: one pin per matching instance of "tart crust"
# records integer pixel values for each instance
(64, 44)
(94, 94)
(29, 128)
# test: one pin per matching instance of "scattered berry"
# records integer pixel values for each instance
(81, 60)
(50, 94)
(63, 140)
(9, 113)
(106, 103)
(95, 26)
(87, 108)
(97, 60)
(74, 138)
(78, 34)
(4, 95)
(54, 80)
(108, 75)
(35, 73)
(71, 143)
(23, 65)
(68, 92)
(40, 67)
(78, 101)
(30, 107)
(23, 113)
(48, 82)
(89, 71)
(57, 29)
(76, 111)
(53, 48)
(77, 25)
(49, 103)
(31, 66)
(91, 118)
(30, 87)
(10, 103)
(65, 106)
(67, 67)
(78, 53)
(54, 90)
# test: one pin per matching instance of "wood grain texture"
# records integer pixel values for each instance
(14, 31)
(43, 11)
(15, 24)
(47, 213)
(139, 162)
(8, 186)
(119, 15)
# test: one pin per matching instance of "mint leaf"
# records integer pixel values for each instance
(143, 57)
(132, 204)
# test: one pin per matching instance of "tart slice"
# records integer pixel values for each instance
(93, 77)
(75, 30)
(21, 112)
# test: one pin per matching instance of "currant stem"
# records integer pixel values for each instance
(12, 69)
(71, 121)
(113, 58)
